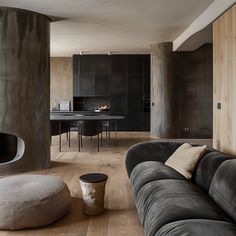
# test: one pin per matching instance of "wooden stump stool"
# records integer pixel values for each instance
(93, 191)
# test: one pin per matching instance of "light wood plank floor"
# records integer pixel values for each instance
(120, 217)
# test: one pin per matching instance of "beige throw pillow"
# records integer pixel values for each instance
(185, 159)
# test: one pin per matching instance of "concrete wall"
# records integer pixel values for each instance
(182, 92)
(161, 90)
(24, 87)
(193, 93)
(61, 80)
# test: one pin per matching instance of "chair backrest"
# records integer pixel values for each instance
(54, 126)
(90, 127)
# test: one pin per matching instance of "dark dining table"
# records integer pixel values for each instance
(75, 117)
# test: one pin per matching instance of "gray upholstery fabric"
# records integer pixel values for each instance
(161, 151)
(197, 227)
(163, 201)
(149, 151)
(207, 167)
(168, 204)
(29, 201)
(148, 171)
(223, 187)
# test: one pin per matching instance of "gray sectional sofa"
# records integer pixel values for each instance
(169, 204)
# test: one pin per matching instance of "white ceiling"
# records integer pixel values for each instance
(122, 26)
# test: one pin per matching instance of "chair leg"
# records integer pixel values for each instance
(101, 139)
(109, 133)
(59, 136)
(69, 138)
(79, 139)
(98, 142)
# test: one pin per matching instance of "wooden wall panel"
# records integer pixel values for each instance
(224, 83)
(61, 80)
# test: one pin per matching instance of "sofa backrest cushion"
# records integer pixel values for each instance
(223, 188)
(207, 167)
(149, 151)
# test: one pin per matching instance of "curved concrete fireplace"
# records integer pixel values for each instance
(12, 148)
(24, 91)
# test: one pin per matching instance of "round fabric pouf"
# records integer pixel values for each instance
(30, 201)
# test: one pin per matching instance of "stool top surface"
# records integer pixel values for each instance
(93, 178)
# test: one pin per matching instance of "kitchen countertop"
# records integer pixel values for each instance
(80, 112)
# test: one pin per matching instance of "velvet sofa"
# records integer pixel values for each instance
(169, 204)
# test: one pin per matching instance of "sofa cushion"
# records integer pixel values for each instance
(149, 151)
(185, 159)
(148, 171)
(223, 187)
(163, 201)
(197, 227)
(207, 167)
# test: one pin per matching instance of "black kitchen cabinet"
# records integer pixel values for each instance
(102, 84)
(118, 92)
(120, 81)
(146, 76)
(118, 64)
(118, 84)
(118, 104)
(86, 63)
(134, 93)
(91, 75)
(135, 64)
(86, 84)
(101, 64)
(135, 121)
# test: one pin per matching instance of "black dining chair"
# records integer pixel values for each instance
(89, 128)
(55, 130)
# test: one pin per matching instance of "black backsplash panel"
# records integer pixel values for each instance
(90, 103)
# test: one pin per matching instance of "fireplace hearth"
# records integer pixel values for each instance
(11, 148)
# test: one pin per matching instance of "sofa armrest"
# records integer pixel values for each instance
(149, 151)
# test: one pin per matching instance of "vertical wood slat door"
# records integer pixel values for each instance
(224, 82)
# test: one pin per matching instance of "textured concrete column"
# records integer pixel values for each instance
(161, 90)
(24, 87)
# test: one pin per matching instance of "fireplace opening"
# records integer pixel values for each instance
(11, 148)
